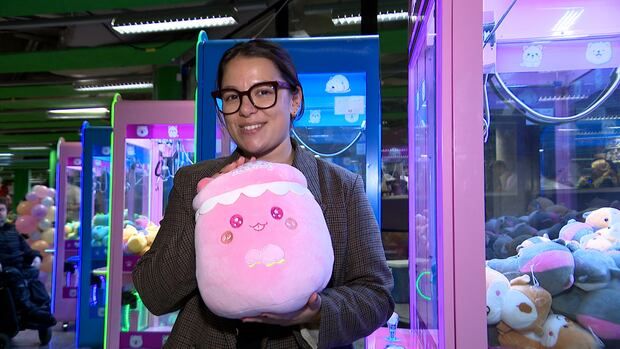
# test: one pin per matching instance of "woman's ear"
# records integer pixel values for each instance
(296, 101)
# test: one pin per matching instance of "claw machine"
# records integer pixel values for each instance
(551, 72)
(342, 118)
(94, 230)
(65, 277)
(446, 202)
(151, 141)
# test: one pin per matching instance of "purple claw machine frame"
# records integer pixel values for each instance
(151, 141)
(65, 278)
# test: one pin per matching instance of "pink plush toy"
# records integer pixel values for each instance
(262, 244)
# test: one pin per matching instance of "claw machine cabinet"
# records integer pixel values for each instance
(342, 118)
(551, 72)
(94, 230)
(65, 275)
(151, 141)
(446, 266)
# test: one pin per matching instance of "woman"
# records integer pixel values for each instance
(258, 96)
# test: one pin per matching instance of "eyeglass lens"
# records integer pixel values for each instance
(262, 96)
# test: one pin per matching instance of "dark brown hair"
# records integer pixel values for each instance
(259, 48)
(5, 201)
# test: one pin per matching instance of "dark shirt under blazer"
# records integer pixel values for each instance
(356, 301)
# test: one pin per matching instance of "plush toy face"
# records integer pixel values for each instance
(262, 244)
(602, 217)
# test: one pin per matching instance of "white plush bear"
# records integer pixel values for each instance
(598, 52)
(532, 56)
(337, 84)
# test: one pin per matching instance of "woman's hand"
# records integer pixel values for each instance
(311, 312)
(233, 165)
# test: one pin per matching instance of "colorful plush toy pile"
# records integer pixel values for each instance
(138, 234)
(36, 216)
(554, 281)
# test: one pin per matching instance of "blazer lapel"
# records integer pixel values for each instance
(305, 162)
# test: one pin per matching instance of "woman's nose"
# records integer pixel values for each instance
(247, 108)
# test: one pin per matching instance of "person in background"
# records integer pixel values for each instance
(258, 97)
(504, 179)
(602, 176)
(19, 270)
(6, 189)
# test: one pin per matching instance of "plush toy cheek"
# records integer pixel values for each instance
(226, 237)
(291, 223)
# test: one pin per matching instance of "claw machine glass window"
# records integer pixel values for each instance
(152, 140)
(65, 276)
(423, 193)
(94, 231)
(552, 190)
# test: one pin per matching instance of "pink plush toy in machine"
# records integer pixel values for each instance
(262, 244)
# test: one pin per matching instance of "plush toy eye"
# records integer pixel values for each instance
(236, 221)
(226, 237)
(277, 212)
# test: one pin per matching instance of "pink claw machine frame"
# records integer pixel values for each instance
(66, 241)
(446, 202)
(151, 140)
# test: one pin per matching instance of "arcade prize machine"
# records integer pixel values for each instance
(551, 72)
(94, 230)
(446, 202)
(151, 141)
(342, 118)
(65, 277)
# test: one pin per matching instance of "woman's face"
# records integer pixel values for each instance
(263, 133)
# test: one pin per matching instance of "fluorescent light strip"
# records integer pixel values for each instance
(175, 24)
(29, 148)
(381, 17)
(115, 87)
(74, 111)
(565, 22)
(76, 116)
(6, 154)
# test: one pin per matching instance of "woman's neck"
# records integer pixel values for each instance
(283, 154)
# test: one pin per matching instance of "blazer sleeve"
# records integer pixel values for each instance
(165, 276)
(363, 302)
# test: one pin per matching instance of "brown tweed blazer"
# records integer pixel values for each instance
(356, 301)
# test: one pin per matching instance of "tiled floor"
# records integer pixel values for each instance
(60, 339)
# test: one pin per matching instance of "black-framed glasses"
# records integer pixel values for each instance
(263, 95)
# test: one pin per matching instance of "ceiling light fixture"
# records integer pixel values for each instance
(78, 113)
(29, 147)
(381, 17)
(115, 87)
(98, 110)
(173, 24)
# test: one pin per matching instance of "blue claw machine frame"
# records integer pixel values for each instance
(151, 140)
(94, 229)
(66, 240)
(342, 118)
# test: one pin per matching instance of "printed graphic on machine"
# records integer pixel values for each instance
(333, 100)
